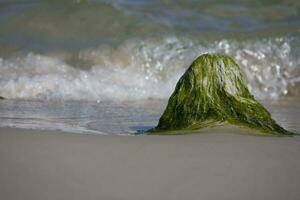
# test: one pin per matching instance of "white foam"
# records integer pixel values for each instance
(145, 69)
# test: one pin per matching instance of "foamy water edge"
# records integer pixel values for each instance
(143, 69)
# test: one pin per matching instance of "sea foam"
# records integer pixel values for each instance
(143, 69)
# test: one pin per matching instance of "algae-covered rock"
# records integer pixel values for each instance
(213, 91)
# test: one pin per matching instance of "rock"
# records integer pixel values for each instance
(211, 92)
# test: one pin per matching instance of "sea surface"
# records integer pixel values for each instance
(121, 118)
(108, 67)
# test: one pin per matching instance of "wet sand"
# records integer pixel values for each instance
(37, 165)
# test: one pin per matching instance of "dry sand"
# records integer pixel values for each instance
(39, 165)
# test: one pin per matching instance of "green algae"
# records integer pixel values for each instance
(211, 92)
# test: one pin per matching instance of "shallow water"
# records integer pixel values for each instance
(111, 117)
(59, 58)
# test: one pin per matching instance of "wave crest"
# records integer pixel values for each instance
(141, 69)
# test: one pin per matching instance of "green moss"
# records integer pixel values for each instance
(213, 91)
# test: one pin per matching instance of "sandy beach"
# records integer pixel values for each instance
(83, 81)
(44, 165)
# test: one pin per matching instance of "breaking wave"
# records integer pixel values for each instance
(142, 69)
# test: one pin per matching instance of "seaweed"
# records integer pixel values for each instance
(211, 92)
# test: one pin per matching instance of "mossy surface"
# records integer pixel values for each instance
(213, 91)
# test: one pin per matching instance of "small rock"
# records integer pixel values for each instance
(213, 91)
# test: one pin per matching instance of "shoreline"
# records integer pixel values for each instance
(55, 165)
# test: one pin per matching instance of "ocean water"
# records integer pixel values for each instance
(110, 118)
(109, 66)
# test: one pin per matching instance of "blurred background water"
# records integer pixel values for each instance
(136, 50)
